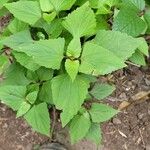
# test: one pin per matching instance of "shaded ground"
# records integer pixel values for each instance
(130, 130)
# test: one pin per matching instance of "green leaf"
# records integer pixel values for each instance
(12, 95)
(49, 17)
(143, 46)
(44, 74)
(56, 5)
(101, 91)
(79, 127)
(26, 11)
(94, 134)
(25, 60)
(69, 96)
(135, 4)
(17, 26)
(127, 21)
(138, 58)
(31, 97)
(74, 48)
(4, 63)
(98, 60)
(46, 6)
(72, 67)
(38, 118)
(24, 108)
(81, 22)
(14, 75)
(118, 43)
(147, 19)
(101, 112)
(17, 40)
(45, 94)
(47, 53)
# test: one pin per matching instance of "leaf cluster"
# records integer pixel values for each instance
(57, 48)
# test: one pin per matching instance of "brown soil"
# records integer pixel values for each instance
(129, 130)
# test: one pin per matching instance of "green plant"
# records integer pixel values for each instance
(57, 48)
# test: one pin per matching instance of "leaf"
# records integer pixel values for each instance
(118, 43)
(17, 26)
(31, 97)
(45, 94)
(24, 108)
(98, 60)
(72, 68)
(101, 112)
(138, 58)
(135, 4)
(12, 95)
(44, 74)
(46, 6)
(18, 39)
(81, 22)
(4, 63)
(26, 11)
(147, 19)
(143, 46)
(69, 96)
(14, 75)
(101, 91)
(127, 21)
(38, 118)
(94, 134)
(56, 5)
(74, 48)
(79, 127)
(47, 53)
(25, 60)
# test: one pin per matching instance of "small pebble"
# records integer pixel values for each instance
(116, 121)
(140, 115)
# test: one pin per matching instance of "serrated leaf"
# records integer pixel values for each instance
(72, 68)
(4, 63)
(101, 91)
(101, 112)
(69, 96)
(81, 22)
(127, 21)
(119, 43)
(138, 58)
(24, 108)
(47, 53)
(74, 48)
(46, 6)
(94, 134)
(14, 71)
(98, 60)
(38, 117)
(79, 127)
(56, 5)
(45, 94)
(44, 74)
(17, 26)
(147, 19)
(49, 17)
(143, 47)
(138, 5)
(18, 39)
(26, 11)
(31, 97)
(25, 60)
(12, 95)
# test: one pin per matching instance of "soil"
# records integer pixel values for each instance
(129, 130)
